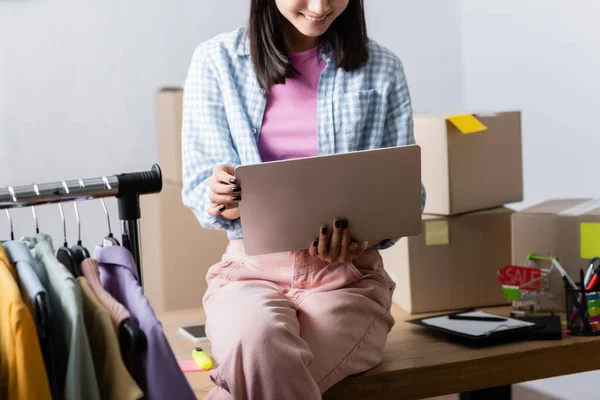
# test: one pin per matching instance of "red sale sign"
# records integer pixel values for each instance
(517, 276)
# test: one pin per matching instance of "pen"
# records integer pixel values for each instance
(590, 286)
(590, 271)
(584, 318)
(565, 277)
(475, 318)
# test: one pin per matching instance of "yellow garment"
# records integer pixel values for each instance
(22, 371)
(114, 381)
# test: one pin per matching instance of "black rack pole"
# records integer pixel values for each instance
(130, 188)
(126, 187)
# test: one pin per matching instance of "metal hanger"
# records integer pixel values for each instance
(110, 239)
(64, 254)
(79, 251)
(10, 221)
(43, 315)
(36, 190)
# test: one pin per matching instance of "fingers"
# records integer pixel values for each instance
(323, 247)
(345, 244)
(313, 249)
(334, 243)
(224, 174)
(217, 209)
(357, 248)
(230, 206)
(223, 188)
(224, 198)
(224, 193)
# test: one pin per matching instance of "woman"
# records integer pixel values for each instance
(302, 80)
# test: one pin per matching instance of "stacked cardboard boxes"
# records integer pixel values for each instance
(176, 251)
(567, 229)
(471, 167)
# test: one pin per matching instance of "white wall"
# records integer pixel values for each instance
(77, 85)
(541, 58)
(77, 81)
(426, 36)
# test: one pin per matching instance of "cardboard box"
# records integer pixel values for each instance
(452, 264)
(176, 251)
(470, 172)
(169, 109)
(567, 229)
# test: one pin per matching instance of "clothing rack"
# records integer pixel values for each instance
(127, 188)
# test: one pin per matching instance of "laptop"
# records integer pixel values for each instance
(285, 203)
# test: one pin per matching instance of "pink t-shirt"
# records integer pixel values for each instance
(289, 128)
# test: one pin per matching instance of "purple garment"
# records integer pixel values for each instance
(157, 371)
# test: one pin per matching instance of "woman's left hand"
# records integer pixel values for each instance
(335, 244)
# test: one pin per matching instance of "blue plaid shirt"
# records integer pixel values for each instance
(223, 106)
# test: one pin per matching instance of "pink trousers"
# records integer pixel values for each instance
(290, 326)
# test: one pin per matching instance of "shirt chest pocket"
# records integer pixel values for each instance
(356, 119)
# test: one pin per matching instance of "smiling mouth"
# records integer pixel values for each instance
(315, 19)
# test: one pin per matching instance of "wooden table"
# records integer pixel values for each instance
(418, 365)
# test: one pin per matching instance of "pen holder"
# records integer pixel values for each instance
(582, 312)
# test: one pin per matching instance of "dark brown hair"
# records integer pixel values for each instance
(345, 40)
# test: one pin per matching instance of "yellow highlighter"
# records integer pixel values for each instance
(202, 359)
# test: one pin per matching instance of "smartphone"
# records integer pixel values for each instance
(196, 333)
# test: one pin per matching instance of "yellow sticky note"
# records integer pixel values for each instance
(437, 233)
(467, 123)
(590, 240)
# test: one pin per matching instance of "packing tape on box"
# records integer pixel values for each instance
(581, 209)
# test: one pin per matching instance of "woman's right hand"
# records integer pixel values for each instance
(224, 193)
(336, 244)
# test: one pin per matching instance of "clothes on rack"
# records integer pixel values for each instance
(75, 363)
(22, 371)
(118, 313)
(132, 339)
(113, 378)
(36, 298)
(56, 337)
(156, 369)
(64, 337)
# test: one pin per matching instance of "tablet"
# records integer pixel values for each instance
(196, 333)
(475, 329)
(285, 203)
